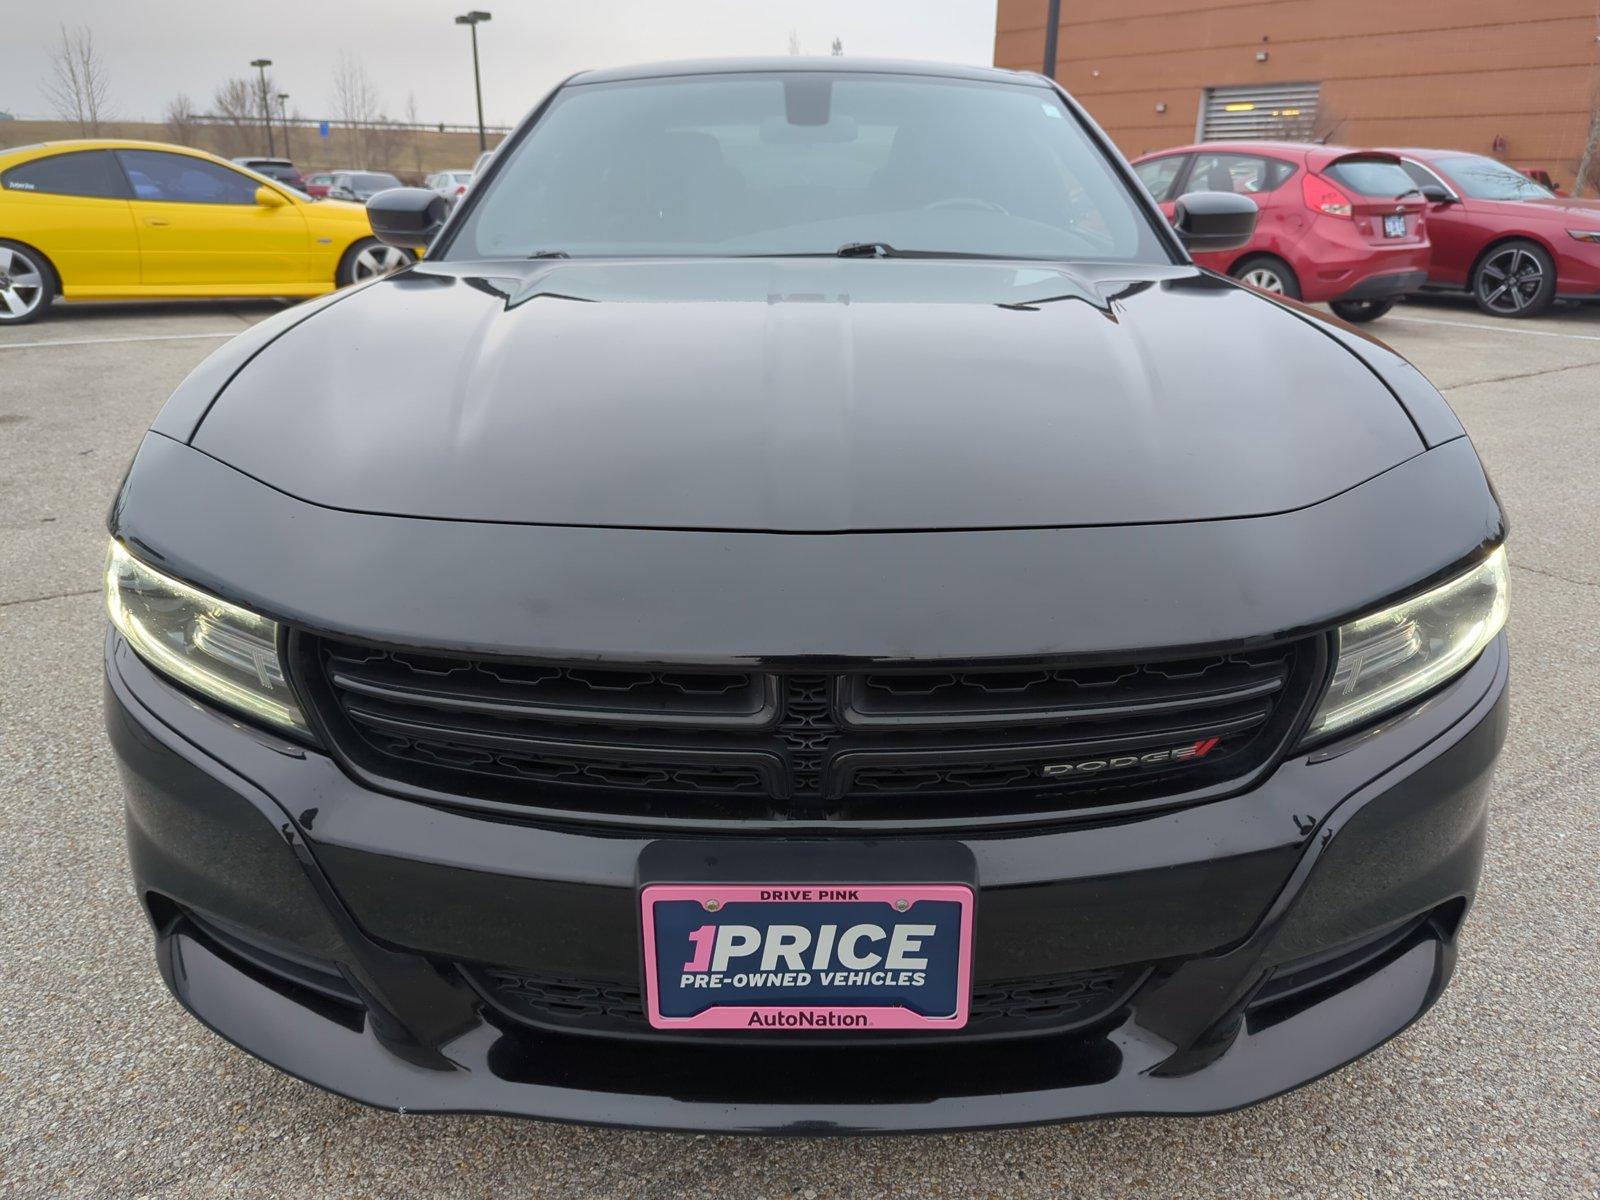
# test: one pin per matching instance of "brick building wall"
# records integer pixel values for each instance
(1517, 80)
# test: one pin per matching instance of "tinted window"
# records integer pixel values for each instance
(1159, 173)
(803, 163)
(373, 183)
(159, 176)
(1247, 174)
(1388, 180)
(82, 173)
(1485, 179)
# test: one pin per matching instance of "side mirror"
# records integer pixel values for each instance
(1214, 220)
(1434, 194)
(269, 197)
(407, 217)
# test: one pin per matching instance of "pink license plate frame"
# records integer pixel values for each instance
(808, 1016)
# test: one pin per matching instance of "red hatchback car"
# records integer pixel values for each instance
(1337, 224)
(1511, 242)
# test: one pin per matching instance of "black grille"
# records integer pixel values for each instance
(1043, 1004)
(888, 745)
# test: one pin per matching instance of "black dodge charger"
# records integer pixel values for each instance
(806, 612)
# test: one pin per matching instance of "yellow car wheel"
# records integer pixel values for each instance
(370, 258)
(27, 284)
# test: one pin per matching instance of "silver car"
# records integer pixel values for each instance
(452, 185)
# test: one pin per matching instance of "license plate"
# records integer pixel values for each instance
(807, 956)
(1394, 226)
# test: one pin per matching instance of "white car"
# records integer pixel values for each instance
(452, 185)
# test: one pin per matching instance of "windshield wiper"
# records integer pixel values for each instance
(549, 254)
(885, 250)
(1410, 191)
(866, 250)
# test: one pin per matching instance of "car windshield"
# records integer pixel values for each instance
(373, 183)
(1485, 179)
(800, 163)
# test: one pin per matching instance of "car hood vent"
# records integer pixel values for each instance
(808, 396)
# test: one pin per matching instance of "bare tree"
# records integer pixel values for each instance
(78, 87)
(356, 104)
(238, 105)
(1588, 175)
(838, 47)
(179, 118)
(794, 41)
(414, 133)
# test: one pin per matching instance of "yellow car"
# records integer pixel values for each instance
(120, 220)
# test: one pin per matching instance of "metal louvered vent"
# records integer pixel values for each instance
(1285, 112)
(892, 745)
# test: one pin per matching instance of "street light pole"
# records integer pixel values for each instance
(261, 64)
(1051, 31)
(472, 20)
(283, 115)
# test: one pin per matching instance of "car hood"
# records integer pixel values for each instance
(807, 395)
(1570, 206)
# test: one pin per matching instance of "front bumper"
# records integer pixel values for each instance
(331, 931)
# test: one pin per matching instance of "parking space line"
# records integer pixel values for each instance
(1505, 328)
(151, 337)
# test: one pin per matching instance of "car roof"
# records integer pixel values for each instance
(1332, 150)
(864, 66)
(1314, 156)
(1419, 152)
(74, 145)
(63, 145)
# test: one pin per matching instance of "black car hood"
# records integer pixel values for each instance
(807, 395)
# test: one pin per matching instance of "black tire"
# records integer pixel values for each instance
(369, 258)
(1269, 274)
(1359, 311)
(27, 284)
(1514, 279)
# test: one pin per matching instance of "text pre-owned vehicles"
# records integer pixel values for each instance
(1337, 224)
(360, 185)
(120, 220)
(1512, 243)
(806, 612)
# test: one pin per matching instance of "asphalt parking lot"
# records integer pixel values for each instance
(108, 1089)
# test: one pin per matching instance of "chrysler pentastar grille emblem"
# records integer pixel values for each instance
(1091, 766)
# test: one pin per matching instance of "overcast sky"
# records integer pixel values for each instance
(157, 48)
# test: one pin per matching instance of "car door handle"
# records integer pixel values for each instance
(156, 221)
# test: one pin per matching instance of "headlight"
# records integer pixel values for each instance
(219, 649)
(1395, 655)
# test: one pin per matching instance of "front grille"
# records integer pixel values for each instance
(890, 744)
(1042, 1004)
